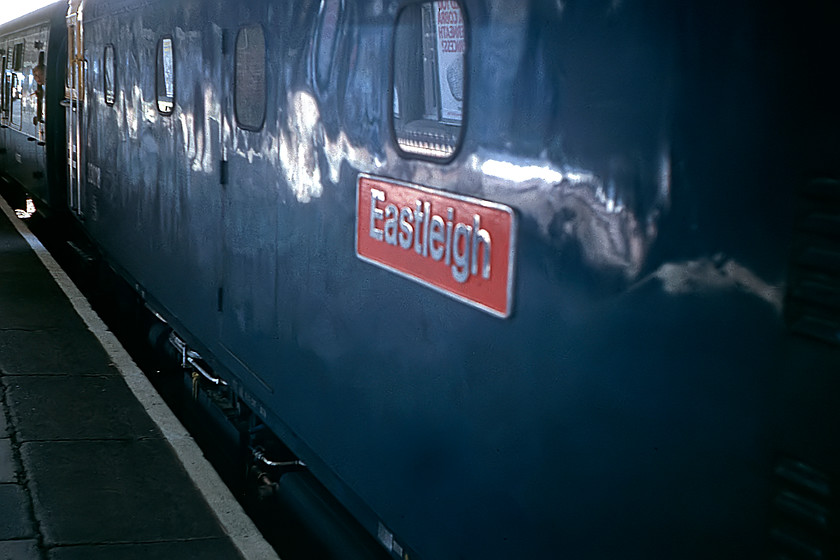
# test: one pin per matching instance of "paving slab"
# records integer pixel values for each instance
(113, 492)
(21, 309)
(11, 243)
(17, 269)
(203, 549)
(68, 351)
(29, 297)
(8, 470)
(15, 517)
(101, 407)
(5, 225)
(19, 550)
(27, 274)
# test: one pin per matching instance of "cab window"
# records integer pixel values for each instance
(429, 79)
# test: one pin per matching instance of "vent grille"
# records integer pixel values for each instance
(804, 527)
(813, 300)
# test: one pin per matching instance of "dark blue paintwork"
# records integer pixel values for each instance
(635, 402)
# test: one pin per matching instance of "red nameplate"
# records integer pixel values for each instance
(460, 246)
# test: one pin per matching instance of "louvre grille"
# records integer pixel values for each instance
(803, 526)
(813, 298)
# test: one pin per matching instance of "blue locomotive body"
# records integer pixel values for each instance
(637, 385)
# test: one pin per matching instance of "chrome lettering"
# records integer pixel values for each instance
(481, 238)
(406, 217)
(450, 216)
(464, 247)
(427, 214)
(375, 213)
(391, 215)
(418, 238)
(436, 236)
(460, 270)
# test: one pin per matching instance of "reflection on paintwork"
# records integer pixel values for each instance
(520, 173)
(298, 147)
(715, 274)
(27, 212)
(132, 119)
(567, 204)
(302, 140)
(198, 137)
(576, 206)
(193, 143)
(341, 150)
(150, 112)
(664, 179)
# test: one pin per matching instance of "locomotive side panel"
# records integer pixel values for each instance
(261, 221)
(154, 150)
(621, 405)
(464, 432)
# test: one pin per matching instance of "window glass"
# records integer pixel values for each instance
(429, 89)
(165, 76)
(3, 89)
(17, 57)
(108, 66)
(249, 89)
(14, 99)
(39, 74)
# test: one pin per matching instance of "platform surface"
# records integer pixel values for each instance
(85, 472)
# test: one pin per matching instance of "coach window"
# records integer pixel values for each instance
(428, 73)
(249, 88)
(108, 66)
(165, 76)
(17, 57)
(3, 86)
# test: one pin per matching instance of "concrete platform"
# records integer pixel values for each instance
(86, 470)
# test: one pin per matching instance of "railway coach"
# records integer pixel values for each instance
(544, 279)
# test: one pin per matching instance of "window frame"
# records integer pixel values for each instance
(439, 122)
(249, 126)
(159, 71)
(113, 92)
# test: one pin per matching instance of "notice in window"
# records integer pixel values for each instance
(451, 45)
(168, 69)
